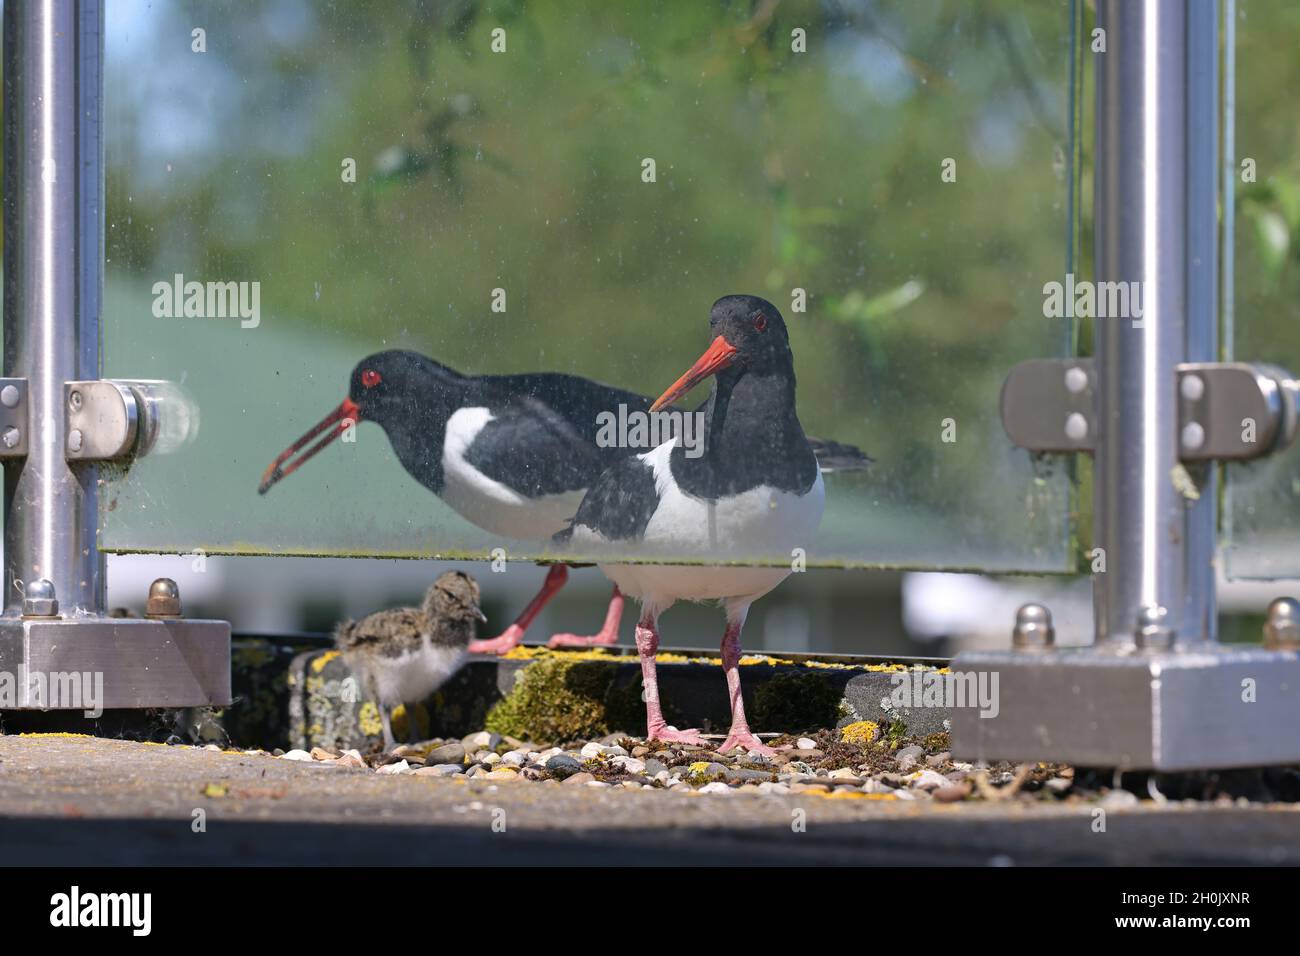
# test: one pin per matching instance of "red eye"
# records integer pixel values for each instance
(370, 378)
(760, 321)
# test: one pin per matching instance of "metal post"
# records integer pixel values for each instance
(54, 621)
(1155, 690)
(1156, 225)
(54, 237)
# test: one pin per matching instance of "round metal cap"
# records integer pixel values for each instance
(1282, 628)
(1152, 631)
(164, 599)
(1034, 630)
(39, 599)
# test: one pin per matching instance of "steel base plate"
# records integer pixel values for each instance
(1139, 710)
(107, 663)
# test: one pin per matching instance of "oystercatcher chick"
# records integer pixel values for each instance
(512, 454)
(404, 654)
(756, 492)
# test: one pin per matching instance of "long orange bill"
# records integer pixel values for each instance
(337, 421)
(715, 358)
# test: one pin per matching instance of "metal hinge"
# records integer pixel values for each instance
(1226, 410)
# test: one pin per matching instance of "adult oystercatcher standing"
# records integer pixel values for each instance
(513, 454)
(755, 492)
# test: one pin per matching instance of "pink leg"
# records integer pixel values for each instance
(513, 634)
(608, 633)
(647, 642)
(739, 735)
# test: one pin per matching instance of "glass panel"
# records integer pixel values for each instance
(1262, 507)
(568, 188)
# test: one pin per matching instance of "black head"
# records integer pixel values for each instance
(454, 597)
(747, 334)
(389, 388)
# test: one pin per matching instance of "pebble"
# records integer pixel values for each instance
(716, 787)
(809, 753)
(483, 740)
(749, 776)
(440, 770)
(490, 759)
(562, 765)
(320, 753)
(938, 760)
(842, 773)
(291, 755)
(629, 764)
(394, 768)
(907, 757)
(602, 750)
(653, 767)
(502, 774)
(1119, 798)
(806, 743)
(952, 793)
(577, 778)
(453, 752)
(514, 758)
(798, 766)
(929, 780)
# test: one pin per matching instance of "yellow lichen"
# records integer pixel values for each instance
(56, 734)
(319, 663)
(860, 732)
(368, 719)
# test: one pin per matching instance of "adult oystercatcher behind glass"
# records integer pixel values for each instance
(756, 491)
(513, 454)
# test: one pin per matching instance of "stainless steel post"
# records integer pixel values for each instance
(54, 229)
(1157, 154)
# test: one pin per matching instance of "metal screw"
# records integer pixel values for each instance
(39, 599)
(75, 401)
(1282, 628)
(1034, 630)
(11, 437)
(1152, 632)
(74, 439)
(164, 599)
(1076, 379)
(1076, 427)
(1192, 387)
(9, 396)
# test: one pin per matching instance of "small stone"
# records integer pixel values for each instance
(579, 778)
(640, 750)
(514, 758)
(503, 773)
(1119, 798)
(716, 787)
(483, 740)
(562, 765)
(806, 743)
(395, 768)
(770, 787)
(811, 753)
(441, 770)
(654, 767)
(294, 755)
(629, 764)
(490, 759)
(594, 749)
(320, 753)
(798, 766)
(907, 758)
(929, 780)
(349, 759)
(1059, 784)
(805, 787)
(938, 760)
(952, 792)
(453, 752)
(877, 786)
(749, 776)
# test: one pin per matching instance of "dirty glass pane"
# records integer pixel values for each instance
(511, 188)
(1262, 504)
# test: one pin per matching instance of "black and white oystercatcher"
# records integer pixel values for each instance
(755, 491)
(404, 654)
(513, 454)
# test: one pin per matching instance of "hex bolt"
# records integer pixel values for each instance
(11, 437)
(1152, 631)
(164, 599)
(74, 439)
(75, 401)
(1282, 628)
(10, 396)
(1034, 630)
(39, 599)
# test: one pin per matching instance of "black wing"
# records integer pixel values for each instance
(619, 504)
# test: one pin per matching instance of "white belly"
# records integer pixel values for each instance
(488, 503)
(763, 524)
(414, 675)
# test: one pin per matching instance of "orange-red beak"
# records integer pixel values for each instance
(715, 358)
(337, 421)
